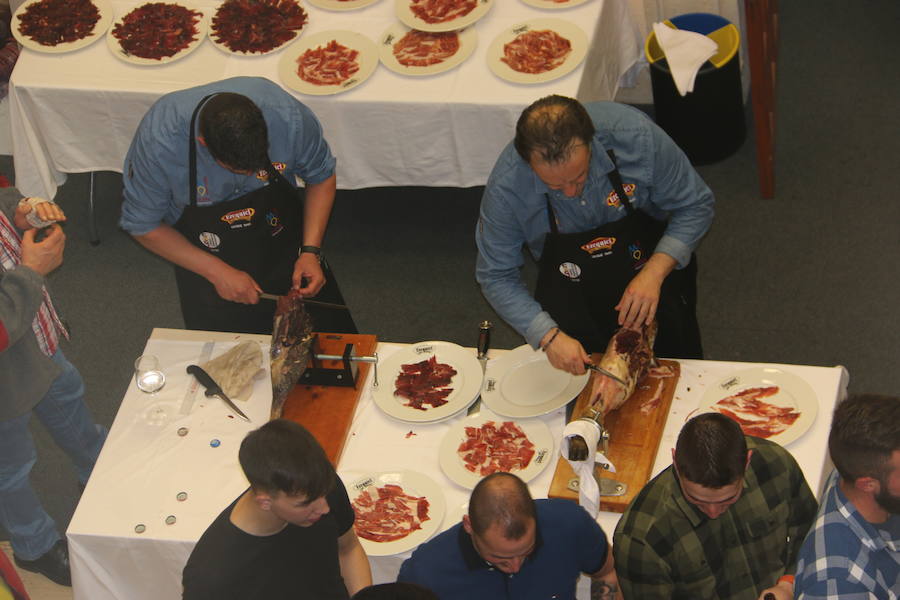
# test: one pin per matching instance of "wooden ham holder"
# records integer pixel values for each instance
(633, 439)
(327, 410)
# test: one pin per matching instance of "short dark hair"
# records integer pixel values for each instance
(711, 451)
(282, 456)
(501, 500)
(865, 432)
(550, 127)
(399, 590)
(235, 132)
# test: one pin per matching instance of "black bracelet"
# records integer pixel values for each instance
(312, 250)
(550, 341)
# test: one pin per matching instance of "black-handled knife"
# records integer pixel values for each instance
(484, 343)
(213, 389)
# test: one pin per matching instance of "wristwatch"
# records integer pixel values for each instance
(312, 250)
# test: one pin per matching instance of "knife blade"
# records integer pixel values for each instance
(275, 297)
(213, 389)
(603, 371)
(484, 343)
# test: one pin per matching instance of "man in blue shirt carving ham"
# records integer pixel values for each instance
(210, 186)
(604, 260)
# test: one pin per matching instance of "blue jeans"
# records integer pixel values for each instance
(65, 415)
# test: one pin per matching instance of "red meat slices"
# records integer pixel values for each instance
(157, 30)
(757, 418)
(421, 49)
(331, 64)
(387, 513)
(441, 11)
(257, 26)
(52, 22)
(424, 383)
(489, 448)
(536, 51)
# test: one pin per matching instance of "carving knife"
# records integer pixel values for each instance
(603, 371)
(484, 343)
(275, 297)
(213, 389)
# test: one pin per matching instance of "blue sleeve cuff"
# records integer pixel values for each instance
(675, 248)
(538, 328)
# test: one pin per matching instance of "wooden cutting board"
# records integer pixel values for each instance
(327, 411)
(633, 439)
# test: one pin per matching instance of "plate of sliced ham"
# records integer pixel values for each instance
(767, 402)
(475, 447)
(554, 4)
(56, 26)
(428, 382)
(328, 62)
(412, 52)
(156, 33)
(256, 27)
(395, 510)
(441, 15)
(341, 5)
(537, 51)
(522, 383)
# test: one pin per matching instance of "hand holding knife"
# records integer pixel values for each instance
(213, 389)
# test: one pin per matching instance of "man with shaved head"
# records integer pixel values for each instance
(612, 210)
(511, 546)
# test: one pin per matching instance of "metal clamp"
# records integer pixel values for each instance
(608, 487)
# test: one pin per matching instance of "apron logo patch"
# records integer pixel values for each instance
(613, 198)
(210, 240)
(274, 222)
(599, 247)
(637, 254)
(570, 270)
(238, 219)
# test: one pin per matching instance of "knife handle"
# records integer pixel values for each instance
(484, 338)
(203, 377)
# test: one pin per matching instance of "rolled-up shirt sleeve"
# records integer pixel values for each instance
(147, 195)
(312, 156)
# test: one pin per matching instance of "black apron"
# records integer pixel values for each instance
(582, 276)
(259, 233)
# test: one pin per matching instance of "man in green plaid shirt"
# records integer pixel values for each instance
(725, 521)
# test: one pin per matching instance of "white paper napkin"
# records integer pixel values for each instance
(685, 51)
(588, 490)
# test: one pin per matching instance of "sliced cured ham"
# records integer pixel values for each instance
(257, 26)
(387, 513)
(424, 383)
(756, 417)
(628, 355)
(157, 30)
(53, 22)
(536, 51)
(422, 49)
(331, 64)
(441, 11)
(492, 448)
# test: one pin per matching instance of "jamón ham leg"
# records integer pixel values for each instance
(291, 344)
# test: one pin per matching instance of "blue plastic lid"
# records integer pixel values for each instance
(704, 23)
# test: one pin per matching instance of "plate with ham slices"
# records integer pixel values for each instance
(341, 5)
(328, 62)
(537, 51)
(156, 33)
(412, 52)
(478, 446)
(256, 27)
(56, 26)
(554, 4)
(522, 383)
(441, 15)
(428, 382)
(767, 402)
(395, 510)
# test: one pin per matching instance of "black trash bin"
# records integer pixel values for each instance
(708, 123)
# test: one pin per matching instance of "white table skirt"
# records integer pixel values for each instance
(145, 464)
(77, 112)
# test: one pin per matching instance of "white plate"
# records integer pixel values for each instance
(414, 484)
(794, 392)
(453, 466)
(410, 19)
(338, 5)
(221, 46)
(467, 42)
(100, 27)
(551, 5)
(523, 383)
(116, 48)
(570, 31)
(367, 58)
(466, 383)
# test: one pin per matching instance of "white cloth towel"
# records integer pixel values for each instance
(685, 51)
(588, 490)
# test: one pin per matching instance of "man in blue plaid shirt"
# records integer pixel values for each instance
(853, 550)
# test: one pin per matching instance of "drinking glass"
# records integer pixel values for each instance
(147, 374)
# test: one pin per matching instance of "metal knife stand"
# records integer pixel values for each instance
(344, 376)
(608, 487)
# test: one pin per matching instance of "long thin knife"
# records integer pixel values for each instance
(484, 343)
(275, 297)
(213, 389)
(603, 371)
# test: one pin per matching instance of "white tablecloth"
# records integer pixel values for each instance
(77, 112)
(145, 464)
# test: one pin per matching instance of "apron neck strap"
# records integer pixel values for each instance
(192, 152)
(616, 180)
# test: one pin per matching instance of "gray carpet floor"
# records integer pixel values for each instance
(810, 277)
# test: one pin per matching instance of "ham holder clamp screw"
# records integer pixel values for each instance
(344, 376)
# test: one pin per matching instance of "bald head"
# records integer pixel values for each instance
(549, 129)
(501, 500)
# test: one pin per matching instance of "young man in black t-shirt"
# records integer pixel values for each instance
(289, 536)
